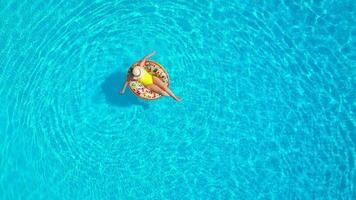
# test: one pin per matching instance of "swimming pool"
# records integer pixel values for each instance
(268, 109)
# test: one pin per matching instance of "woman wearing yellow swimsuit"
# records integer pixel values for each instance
(153, 83)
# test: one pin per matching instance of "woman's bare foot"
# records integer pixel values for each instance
(177, 98)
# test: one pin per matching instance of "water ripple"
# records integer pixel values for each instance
(267, 101)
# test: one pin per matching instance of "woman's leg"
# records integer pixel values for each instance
(157, 89)
(164, 87)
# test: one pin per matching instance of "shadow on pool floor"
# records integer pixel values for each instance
(111, 88)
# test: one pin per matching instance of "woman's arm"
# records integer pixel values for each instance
(143, 61)
(124, 87)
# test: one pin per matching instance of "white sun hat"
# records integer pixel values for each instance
(137, 72)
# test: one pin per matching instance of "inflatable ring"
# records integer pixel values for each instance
(154, 69)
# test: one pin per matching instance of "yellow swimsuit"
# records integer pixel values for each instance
(146, 79)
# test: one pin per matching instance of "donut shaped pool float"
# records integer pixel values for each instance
(155, 69)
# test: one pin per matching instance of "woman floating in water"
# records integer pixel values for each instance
(138, 73)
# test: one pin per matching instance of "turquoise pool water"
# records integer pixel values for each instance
(268, 109)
